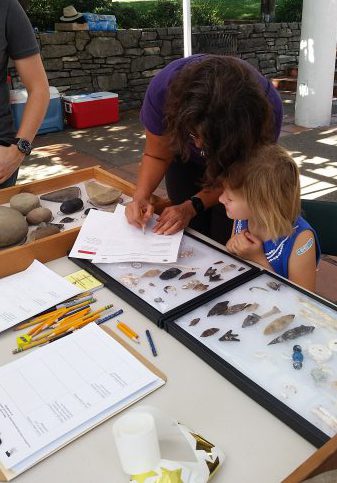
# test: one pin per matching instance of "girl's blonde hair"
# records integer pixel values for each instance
(270, 184)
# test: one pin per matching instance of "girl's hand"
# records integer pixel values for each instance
(174, 219)
(248, 246)
(138, 212)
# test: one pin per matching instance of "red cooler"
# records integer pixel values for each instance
(87, 110)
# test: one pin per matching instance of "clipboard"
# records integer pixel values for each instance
(9, 474)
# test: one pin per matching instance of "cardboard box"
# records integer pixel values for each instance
(18, 258)
(88, 110)
(70, 26)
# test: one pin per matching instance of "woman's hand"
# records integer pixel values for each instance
(174, 218)
(248, 246)
(10, 160)
(138, 212)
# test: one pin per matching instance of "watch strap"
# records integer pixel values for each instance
(198, 204)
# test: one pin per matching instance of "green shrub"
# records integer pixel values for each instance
(289, 11)
(155, 13)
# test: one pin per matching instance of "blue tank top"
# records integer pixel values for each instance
(278, 252)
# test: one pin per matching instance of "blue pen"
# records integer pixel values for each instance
(149, 338)
(108, 317)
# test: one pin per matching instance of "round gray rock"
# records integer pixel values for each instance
(13, 226)
(24, 202)
(38, 215)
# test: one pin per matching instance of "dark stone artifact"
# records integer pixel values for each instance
(229, 337)
(194, 322)
(13, 227)
(170, 273)
(39, 215)
(210, 271)
(215, 278)
(187, 275)
(62, 195)
(67, 219)
(209, 332)
(293, 333)
(71, 206)
(219, 309)
(251, 319)
(88, 209)
(24, 202)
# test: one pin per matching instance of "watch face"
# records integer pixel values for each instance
(24, 146)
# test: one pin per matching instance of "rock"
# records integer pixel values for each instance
(101, 195)
(24, 202)
(63, 194)
(38, 215)
(71, 206)
(43, 231)
(13, 226)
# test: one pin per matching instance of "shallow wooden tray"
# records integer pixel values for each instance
(324, 459)
(15, 259)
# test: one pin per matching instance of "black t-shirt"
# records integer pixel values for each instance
(17, 40)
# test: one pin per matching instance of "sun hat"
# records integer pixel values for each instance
(70, 14)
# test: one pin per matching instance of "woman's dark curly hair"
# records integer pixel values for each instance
(220, 99)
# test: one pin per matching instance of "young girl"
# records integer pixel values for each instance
(263, 199)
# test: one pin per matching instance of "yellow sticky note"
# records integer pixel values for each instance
(84, 280)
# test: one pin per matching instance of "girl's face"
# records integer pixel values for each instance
(236, 206)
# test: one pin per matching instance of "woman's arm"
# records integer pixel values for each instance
(302, 261)
(35, 80)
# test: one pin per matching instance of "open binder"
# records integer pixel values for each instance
(156, 377)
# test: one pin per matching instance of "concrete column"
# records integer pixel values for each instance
(187, 28)
(316, 63)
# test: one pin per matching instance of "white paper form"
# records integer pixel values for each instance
(109, 238)
(30, 292)
(58, 388)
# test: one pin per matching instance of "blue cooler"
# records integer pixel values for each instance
(53, 120)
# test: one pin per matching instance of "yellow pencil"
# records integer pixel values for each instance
(40, 319)
(66, 323)
(128, 331)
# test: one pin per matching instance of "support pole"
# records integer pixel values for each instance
(187, 28)
(316, 63)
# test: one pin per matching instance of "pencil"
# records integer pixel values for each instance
(153, 347)
(128, 331)
(46, 340)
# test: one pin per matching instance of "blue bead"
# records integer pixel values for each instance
(297, 365)
(297, 356)
(297, 348)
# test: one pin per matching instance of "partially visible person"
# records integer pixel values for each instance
(17, 41)
(201, 113)
(263, 199)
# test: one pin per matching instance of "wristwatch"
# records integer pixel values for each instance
(197, 204)
(23, 145)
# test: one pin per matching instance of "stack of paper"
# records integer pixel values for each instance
(30, 292)
(108, 238)
(69, 387)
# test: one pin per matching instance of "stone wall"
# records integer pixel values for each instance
(125, 61)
